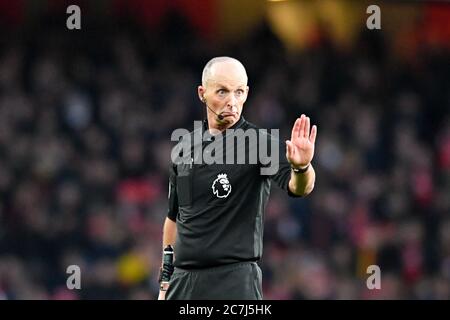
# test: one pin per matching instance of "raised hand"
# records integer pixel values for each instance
(300, 149)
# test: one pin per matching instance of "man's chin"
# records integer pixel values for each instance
(231, 117)
(228, 121)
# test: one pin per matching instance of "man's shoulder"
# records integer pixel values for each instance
(182, 148)
(190, 135)
(262, 132)
(250, 125)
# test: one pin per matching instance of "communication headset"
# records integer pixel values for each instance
(219, 116)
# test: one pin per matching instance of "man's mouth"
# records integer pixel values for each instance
(228, 114)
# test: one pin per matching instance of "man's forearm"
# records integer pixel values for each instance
(302, 184)
(169, 233)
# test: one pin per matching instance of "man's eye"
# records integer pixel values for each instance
(240, 92)
(221, 91)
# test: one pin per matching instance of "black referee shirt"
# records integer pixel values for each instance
(219, 208)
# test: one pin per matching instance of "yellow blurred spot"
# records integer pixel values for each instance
(132, 269)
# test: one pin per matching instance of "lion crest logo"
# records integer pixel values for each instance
(221, 186)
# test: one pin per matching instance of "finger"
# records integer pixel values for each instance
(302, 126)
(307, 127)
(288, 149)
(295, 129)
(312, 138)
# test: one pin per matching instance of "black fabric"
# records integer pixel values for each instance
(217, 227)
(173, 198)
(238, 281)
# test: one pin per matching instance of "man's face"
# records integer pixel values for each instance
(226, 92)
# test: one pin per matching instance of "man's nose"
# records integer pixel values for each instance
(232, 102)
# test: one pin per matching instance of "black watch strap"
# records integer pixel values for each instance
(296, 170)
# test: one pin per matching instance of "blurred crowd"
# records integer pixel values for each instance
(85, 126)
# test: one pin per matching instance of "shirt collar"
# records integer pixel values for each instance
(237, 125)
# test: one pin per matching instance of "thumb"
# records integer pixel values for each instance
(288, 149)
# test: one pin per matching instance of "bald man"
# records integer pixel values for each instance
(215, 215)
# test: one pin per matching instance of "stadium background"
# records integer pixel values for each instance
(86, 118)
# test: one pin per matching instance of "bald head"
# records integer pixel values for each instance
(224, 91)
(224, 67)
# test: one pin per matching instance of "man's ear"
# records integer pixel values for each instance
(247, 89)
(201, 93)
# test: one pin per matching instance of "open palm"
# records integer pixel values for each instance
(300, 149)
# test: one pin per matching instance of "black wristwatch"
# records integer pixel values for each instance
(296, 170)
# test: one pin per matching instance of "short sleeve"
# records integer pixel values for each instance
(282, 176)
(172, 211)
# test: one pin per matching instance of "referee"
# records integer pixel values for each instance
(215, 215)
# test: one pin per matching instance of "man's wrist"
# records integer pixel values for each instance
(300, 170)
(163, 286)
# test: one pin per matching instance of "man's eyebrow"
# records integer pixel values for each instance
(222, 87)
